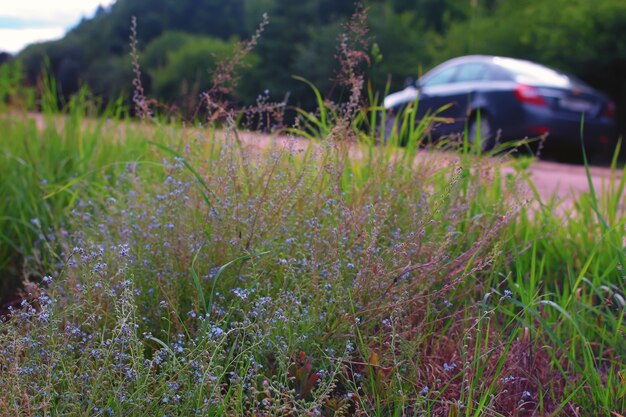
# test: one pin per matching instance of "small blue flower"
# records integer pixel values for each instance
(216, 332)
(509, 378)
(124, 250)
(449, 367)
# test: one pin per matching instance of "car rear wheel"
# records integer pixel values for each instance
(479, 132)
(390, 125)
(393, 132)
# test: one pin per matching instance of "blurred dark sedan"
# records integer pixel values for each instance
(515, 99)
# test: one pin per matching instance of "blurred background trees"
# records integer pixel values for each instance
(180, 41)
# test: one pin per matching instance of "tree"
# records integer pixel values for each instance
(180, 66)
(5, 57)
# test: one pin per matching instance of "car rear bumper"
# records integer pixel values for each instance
(561, 131)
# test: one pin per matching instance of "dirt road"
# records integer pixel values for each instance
(551, 179)
(565, 181)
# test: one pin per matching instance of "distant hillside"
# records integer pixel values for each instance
(179, 40)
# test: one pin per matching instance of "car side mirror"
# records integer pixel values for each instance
(410, 82)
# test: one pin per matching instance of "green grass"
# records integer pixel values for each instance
(178, 271)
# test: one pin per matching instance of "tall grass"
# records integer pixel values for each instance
(50, 163)
(413, 285)
(183, 271)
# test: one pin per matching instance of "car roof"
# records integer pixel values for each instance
(521, 70)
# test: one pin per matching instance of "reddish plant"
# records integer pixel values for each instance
(304, 378)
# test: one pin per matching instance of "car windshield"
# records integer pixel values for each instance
(439, 77)
(529, 73)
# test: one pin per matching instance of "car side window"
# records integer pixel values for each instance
(474, 71)
(445, 76)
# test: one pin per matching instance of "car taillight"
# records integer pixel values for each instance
(540, 130)
(609, 110)
(529, 95)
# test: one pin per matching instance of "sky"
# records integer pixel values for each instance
(27, 21)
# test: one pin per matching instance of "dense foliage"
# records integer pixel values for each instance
(186, 270)
(189, 271)
(410, 35)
